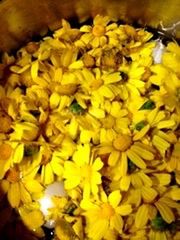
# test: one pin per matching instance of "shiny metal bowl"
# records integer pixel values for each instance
(22, 19)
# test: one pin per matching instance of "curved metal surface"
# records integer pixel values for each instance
(21, 19)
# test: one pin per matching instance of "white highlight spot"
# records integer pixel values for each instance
(54, 189)
(158, 52)
(45, 203)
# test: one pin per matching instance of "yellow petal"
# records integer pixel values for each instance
(33, 220)
(166, 124)
(111, 78)
(148, 193)
(98, 164)
(114, 198)
(81, 156)
(48, 174)
(86, 204)
(4, 167)
(160, 236)
(123, 165)
(175, 194)
(117, 223)
(160, 144)
(163, 178)
(14, 195)
(105, 91)
(34, 69)
(136, 181)
(98, 228)
(4, 186)
(147, 155)
(141, 133)
(125, 183)
(113, 158)
(18, 153)
(165, 211)
(57, 168)
(152, 212)
(33, 186)
(54, 100)
(145, 178)
(169, 202)
(136, 159)
(174, 47)
(73, 128)
(141, 218)
(25, 196)
(97, 112)
(72, 182)
(124, 209)
(76, 65)
(85, 28)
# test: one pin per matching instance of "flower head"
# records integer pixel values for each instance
(105, 215)
(83, 171)
(96, 35)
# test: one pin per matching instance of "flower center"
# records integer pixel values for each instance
(5, 151)
(107, 211)
(96, 83)
(13, 175)
(122, 142)
(86, 172)
(98, 30)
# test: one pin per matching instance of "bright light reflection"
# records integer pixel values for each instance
(158, 52)
(54, 189)
(45, 204)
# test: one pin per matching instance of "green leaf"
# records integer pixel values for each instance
(148, 105)
(140, 125)
(76, 108)
(30, 150)
(71, 207)
(159, 224)
(131, 166)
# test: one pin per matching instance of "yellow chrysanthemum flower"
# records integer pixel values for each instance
(83, 171)
(97, 35)
(92, 109)
(134, 83)
(125, 149)
(19, 187)
(105, 215)
(164, 206)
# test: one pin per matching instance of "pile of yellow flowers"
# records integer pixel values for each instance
(90, 108)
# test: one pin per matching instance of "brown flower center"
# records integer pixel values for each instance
(13, 175)
(122, 142)
(5, 151)
(107, 210)
(98, 30)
